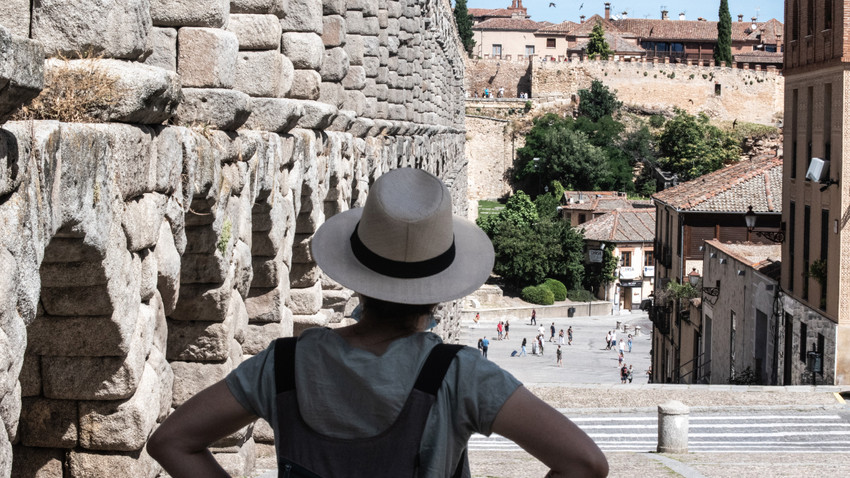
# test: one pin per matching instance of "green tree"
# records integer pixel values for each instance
(601, 273)
(690, 146)
(723, 50)
(597, 45)
(597, 102)
(464, 25)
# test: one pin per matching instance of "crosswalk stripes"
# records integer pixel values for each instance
(809, 432)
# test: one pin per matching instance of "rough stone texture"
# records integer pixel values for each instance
(21, 72)
(86, 464)
(277, 115)
(306, 85)
(206, 57)
(49, 423)
(256, 32)
(112, 28)
(162, 48)
(260, 73)
(305, 50)
(219, 108)
(317, 115)
(333, 30)
(335, 65)
(15, 16)
(303, 16)
(190, 13)
(274, 7)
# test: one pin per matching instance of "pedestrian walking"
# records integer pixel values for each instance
(552, 331)
(476, 319)
(561, 337)
(622, 347)
(522, 351)
(630, 343)
(534, 346)
(608, 341)
(624, 373)
(508, 329)
(499, 330)
(570, 335)
(540, 343)
(620, 359)
(649, 374)
(485, 344)
(533, 317)
(558, 360)
(481, 345)
(630, 374)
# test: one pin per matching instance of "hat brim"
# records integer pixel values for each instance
(471, 267)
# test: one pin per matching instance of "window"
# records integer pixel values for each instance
(581, 218)
(810, 17)
(497, 50)
(824, 247)
(770, 48)
(529, 50)
(807, 230)
(717, 89)
(677, 47)
(794, 110)
(795, 21)
(810, 106)
(804, 338)
(647, 258)
(550, 43)
(626, 259)
(792, 223)
(827, 119)
(827, 14)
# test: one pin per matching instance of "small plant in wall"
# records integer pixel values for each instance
(224, 237)
(817, 271)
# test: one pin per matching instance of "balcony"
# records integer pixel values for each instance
(628, 273)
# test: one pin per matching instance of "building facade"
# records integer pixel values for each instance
(816, 252)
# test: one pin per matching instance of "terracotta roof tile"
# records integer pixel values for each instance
(616, 43)
(695, 30)
(489, 12)
(560, 28)
(764, 258)
(514, 24)
(756, 182)
(622, 225)
(584, 29)
(760, 57)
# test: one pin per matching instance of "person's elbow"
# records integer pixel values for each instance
(157, 445)
(592, 465)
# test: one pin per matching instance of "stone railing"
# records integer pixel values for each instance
(145, 253)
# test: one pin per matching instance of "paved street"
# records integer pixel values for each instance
(585, 361)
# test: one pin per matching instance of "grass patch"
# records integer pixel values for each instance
(74, 92)
(489, 207)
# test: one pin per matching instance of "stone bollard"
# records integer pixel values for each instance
(673, 427)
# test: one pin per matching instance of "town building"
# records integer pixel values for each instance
(816, 191)
(631, 233)
(509, 33)
(709, 207)
(578, 207)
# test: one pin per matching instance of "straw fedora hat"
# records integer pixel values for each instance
(405, 245)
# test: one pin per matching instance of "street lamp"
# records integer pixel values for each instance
(694, 279)
(814, 362)
(773, 236)
(537, 170)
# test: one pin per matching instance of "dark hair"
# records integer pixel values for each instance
(383, 310)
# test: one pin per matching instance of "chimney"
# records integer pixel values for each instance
(754, 26)
(682, 16)
(607, 10)
(624, 15)
(581, 19)
(664, 14)
(700, 19)
(513, 4)
(740, 17)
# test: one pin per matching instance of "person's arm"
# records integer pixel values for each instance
(549, 436)
(180, 443)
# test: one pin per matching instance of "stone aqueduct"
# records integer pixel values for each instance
(143, 256)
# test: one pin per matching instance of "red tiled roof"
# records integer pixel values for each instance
(648, 29)
(560, 28)
(756, 182)
(584, 29)
(489, 12)
(511, 24)
(760, 57)
(616, 43)
(764, 258)
(605, 203)
(622, 225)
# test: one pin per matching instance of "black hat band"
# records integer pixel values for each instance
(400, 269)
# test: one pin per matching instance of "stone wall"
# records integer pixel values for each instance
(512, 75)
(728, 94)
(490, 152)
(144, 256)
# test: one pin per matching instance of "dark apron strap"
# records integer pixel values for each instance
(436, 365)
(284, 364)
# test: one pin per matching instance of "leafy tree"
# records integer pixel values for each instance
(597, 45)
(723, 50)
(597, 102)
(464, 25)
(690, 146)
(600, 273)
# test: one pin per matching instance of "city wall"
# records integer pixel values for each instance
(144, 254)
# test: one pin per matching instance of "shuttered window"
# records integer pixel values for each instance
(733, 234)
(695, 238)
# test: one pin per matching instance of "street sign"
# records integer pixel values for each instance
(595, 255)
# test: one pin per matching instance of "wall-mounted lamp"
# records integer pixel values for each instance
(741, 272)
(694, 279)
(722, 260)
(773, 236)
(712, 255)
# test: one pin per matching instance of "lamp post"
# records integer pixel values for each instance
(772, 236)
(694, 279)
(814, 363)
(537, 171)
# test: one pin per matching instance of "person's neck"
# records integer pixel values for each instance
(376, 336)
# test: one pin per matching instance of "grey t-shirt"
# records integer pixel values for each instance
(347, 392)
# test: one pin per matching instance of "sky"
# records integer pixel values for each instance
(540, 10)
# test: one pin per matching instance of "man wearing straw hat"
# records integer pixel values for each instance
(382, 397)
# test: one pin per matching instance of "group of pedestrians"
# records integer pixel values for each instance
(503, 329)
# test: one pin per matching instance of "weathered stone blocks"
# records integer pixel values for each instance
(317, 115)
(15, 16)
(302, 16)
(223, 109)
(190, 13)
(206, 57)
(305, 50)
(113, 28)
(335, 65)
(21, 72)
(306, 85)
(49, 423)
(274, 7)
(256, 32)
(93, 464)
(333, 30)
(261, 73)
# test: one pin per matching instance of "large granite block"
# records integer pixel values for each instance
(303, 16)
(207, 57)
(333, 31)
(190, 13)
(305, 85)
(275, 114)
(260, 73)
(21, 72)
(274, 7)
(256, 32)
(305, 50)
(222, 109)
(162, 48)
(15, 16)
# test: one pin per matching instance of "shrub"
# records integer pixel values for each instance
(538, 295)
(580, 295)
(528, 106)
(559, 290)
(656, 121)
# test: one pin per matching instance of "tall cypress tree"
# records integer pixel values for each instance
(723, 51)
(464, 25)
(597, 45)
